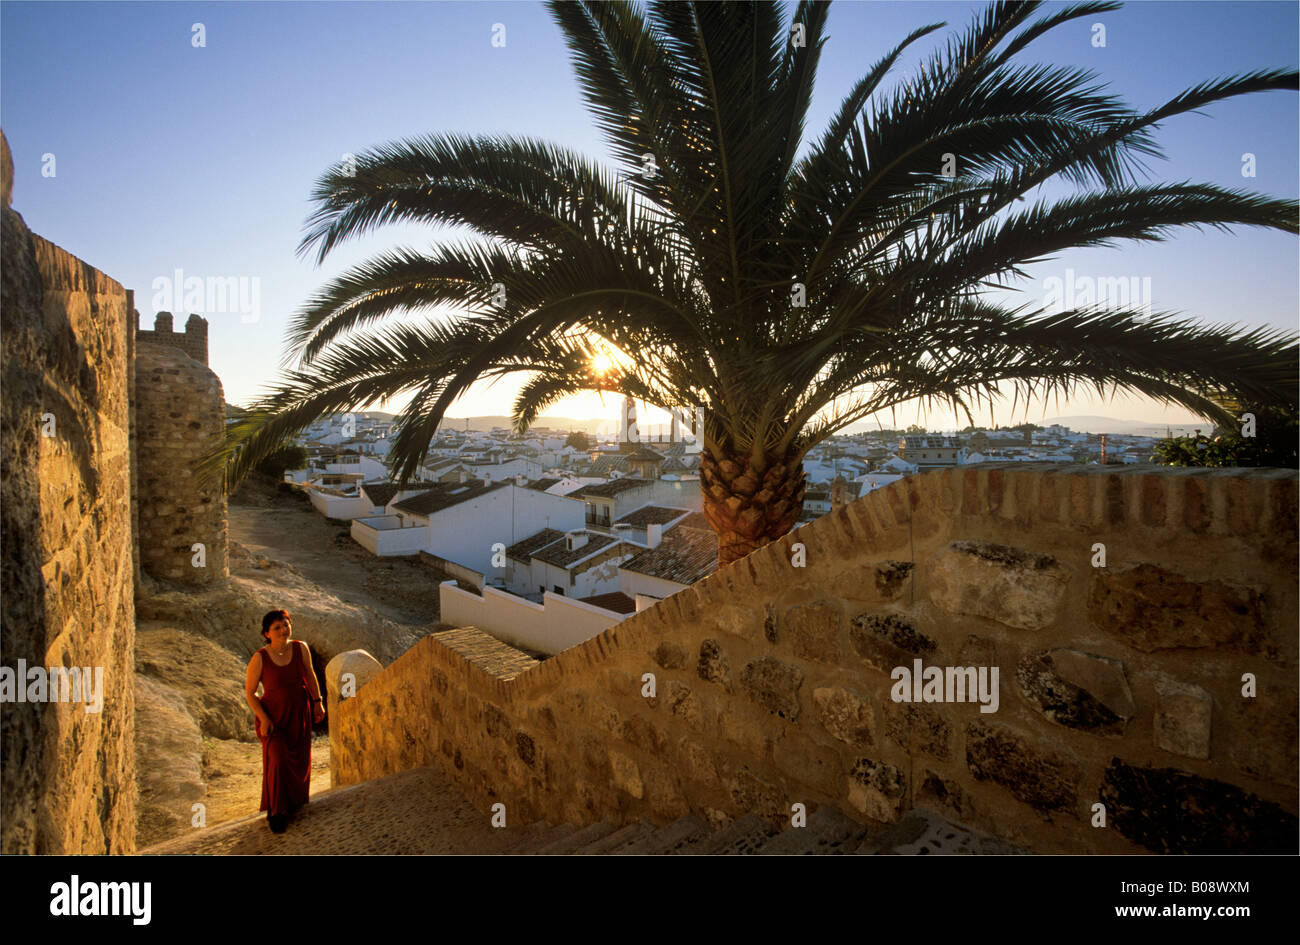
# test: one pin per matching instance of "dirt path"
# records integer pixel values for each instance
(404, 590)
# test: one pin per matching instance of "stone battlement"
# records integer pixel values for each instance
(193, 341)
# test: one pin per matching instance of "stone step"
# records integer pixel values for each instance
(743, 836)
(577, 840)
(676, 838)
(537, 836)
(618, 839)
(922, 832)
(828, 832)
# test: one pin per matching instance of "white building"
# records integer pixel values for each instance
(470, 524)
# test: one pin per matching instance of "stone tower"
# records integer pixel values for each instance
(179, 416)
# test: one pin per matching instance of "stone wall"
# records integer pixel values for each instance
(67, 783)
(180, 416)
(1120, 680)
(193, 341)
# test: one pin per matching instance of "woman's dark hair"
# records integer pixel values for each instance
(271, 617)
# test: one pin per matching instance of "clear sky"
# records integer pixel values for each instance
(171, 157)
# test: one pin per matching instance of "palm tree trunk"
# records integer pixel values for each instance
(747, 504)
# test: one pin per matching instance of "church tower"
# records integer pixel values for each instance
(628, 437)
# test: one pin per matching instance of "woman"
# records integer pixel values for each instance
(289, 686)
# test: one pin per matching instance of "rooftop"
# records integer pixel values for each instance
(651, 515)
(617, 601)
(445, 496)
(685, 555)
(558, 554)
(929, 443)
(607, 490)
(379, 493)
(523, 550)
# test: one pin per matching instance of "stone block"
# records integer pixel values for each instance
(712, 665)
(753, 795)
(625, 774)
(696, 764)
(877, 789)
(1078, 690)
(1015, 587)
(774, 685)
(814, 630)
(918, 728)
(1182, 718)
(684, 703)
(881, 581)
(888, 640)
(1172, 811)
(845, 715)
(1150, 608)
(1041, 778)
(669, 656)
(945, 794)
(644, 735)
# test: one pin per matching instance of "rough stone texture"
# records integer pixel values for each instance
(669, 656)
(882, 581)
(774, 686)
(180, 416)
(682, 702)
(876, 789)
(712, 666)
(918, 728)
(1019, 588)
(845, 715)
(1182, 721)
(1078, 690)
(1272, 750)
(814, 630)
(68, 780)
(885, 641)
(1043, 779)
(1151, 608)
(169, 760)
(208, 677)
(944, 793)
(1173, 811)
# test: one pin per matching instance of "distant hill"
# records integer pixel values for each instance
(564, 424)
(1129, 427)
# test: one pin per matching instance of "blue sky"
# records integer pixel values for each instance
(173, 157)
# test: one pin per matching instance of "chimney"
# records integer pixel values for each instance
(654, 533)
(575, 540)
(462, 475)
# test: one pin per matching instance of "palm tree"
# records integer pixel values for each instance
(776, 297)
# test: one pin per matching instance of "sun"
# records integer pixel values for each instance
(602, 363)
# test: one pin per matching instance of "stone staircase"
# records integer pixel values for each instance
(421, 811)
(828, 832)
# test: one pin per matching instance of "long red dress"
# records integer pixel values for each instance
(286, 752)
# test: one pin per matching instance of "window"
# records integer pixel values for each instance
(559, 590)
